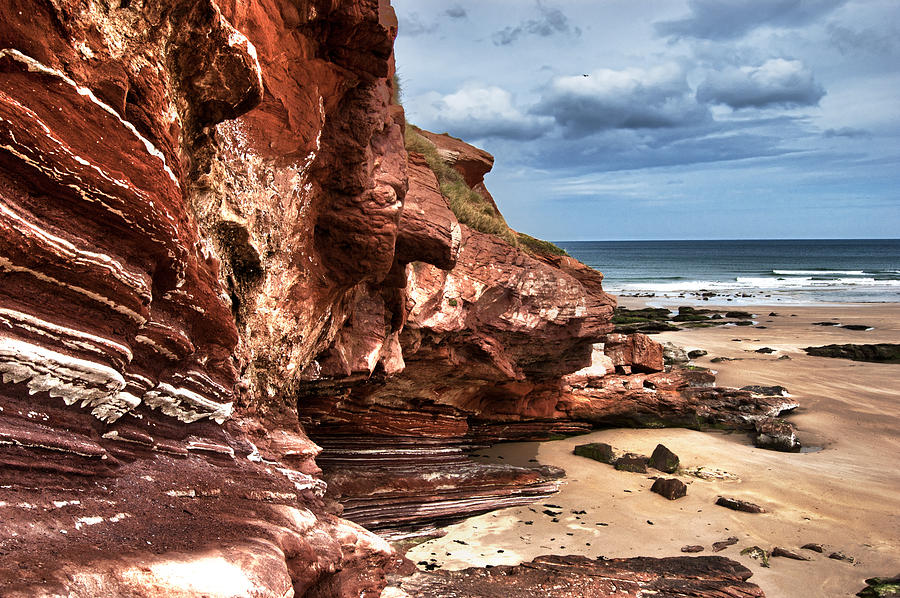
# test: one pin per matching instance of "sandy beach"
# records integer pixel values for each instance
(844, 495)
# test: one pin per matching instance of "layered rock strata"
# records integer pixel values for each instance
(496, 344)
(191, 196)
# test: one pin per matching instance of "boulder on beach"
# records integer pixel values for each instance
(632, 462)
(664, 460)
(598, 451)
(674, 355)
(696, 353)
(776, 435)
(670, 488)
(692, 548)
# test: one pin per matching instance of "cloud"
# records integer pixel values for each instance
(851, 132)
(456, 12)
(550, 22)
(775, 82)
(478, 112)
(632, 98)
(868, 40)
(412, 25)
(718, 20)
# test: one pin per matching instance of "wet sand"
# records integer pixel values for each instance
(845, 496)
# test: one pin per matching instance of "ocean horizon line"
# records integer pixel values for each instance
(721, 240)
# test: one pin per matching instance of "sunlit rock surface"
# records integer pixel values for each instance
(213, 242)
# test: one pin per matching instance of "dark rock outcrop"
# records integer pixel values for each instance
(631, 462)
(878, 353)
(567, 576)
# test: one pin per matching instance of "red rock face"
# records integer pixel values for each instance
(185, 216)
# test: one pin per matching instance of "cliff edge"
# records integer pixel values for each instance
(221, 270)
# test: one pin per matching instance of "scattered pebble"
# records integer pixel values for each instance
(718, 546)
(739, 505)
(783, 552)
(840, 556)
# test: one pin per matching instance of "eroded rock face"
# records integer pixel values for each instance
(185, 218)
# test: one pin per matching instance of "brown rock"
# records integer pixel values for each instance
(739, 505)
(471, 162)
(840, 556)
(783, 552)
(429, 231)
(631, 462)
(692, 548)
(723, 544)
(671, 488)
(636, 351)
(664, 460)
(776, 435)
(598, 451)
(813, 547)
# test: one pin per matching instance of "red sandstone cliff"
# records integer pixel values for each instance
(210, 232)
(191, 195)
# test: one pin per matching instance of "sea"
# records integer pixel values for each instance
(748, 272)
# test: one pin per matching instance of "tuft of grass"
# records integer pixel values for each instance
(468, 205)
(396, 90)
(539, 246)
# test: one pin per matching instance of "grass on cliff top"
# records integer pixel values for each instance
(468, 205)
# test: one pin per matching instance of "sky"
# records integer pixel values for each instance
(668, 119)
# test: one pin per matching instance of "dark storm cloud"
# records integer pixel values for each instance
(718, 20)
(456, 12)
(627, 99)
(551, 21)
(412, 25)
(775, 82)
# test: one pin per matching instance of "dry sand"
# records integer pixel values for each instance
(845, 496)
